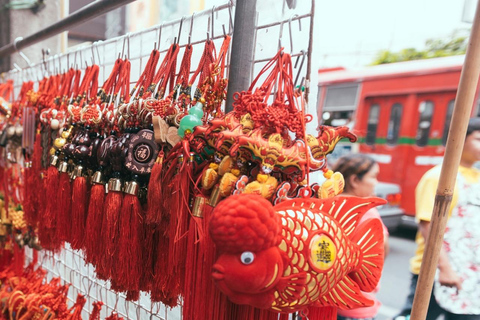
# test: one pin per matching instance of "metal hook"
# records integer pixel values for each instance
(160, 35)
(74, 59)
(213, 25)
(208, 28)
(304, 55)
(230, 19)
(126, 305)
(29, 63)
(116, 301)
(138, 311)
(177, 41)
(290, 29)
(126, 38)
(191, 29)
(280, 35)
(93, 52)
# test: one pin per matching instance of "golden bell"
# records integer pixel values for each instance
(63, 167)
(215, 197)
(198, 206)
(114, 184)
(132, 187)
(77, 172)
(97, 177)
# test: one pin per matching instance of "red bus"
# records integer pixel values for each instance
(400, 112)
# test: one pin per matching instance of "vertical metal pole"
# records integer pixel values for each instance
(241, 57)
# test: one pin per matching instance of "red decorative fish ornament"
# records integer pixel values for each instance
(299, 253)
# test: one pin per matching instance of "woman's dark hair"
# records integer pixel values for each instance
(353, 164)
(473, 125)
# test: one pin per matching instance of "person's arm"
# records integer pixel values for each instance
(447, 276)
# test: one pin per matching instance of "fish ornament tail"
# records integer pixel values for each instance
(369, 237)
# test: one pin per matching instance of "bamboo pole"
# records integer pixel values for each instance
(456, 139)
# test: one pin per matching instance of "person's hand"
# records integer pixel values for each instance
(449, 278)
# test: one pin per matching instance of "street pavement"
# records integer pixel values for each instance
(396, 276)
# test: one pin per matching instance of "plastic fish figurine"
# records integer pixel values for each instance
(299, 253)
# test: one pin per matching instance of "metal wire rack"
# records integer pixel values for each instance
(69, 265)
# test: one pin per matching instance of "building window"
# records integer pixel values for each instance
(372, 125)
(448, 119)
(394, 123)
(424, 123)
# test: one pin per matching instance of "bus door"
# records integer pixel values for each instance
(429, 121)
(385, 135)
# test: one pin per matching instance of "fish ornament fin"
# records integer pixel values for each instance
(347, 211)
(291, 287)
(369, 238)
(345, 295)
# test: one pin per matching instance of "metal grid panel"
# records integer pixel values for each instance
(69, 265)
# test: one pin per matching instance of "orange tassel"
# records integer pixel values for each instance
(93, 229)
(79, 209)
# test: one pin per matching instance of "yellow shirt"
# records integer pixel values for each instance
(425, 199)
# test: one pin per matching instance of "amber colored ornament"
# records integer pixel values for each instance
(332, 186)
(265, 186)
(227, 183)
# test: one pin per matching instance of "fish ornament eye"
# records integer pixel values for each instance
(247, 257)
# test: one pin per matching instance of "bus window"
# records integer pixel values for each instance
(394, 123)
(372, 124)
(448, 118)
(424, 123)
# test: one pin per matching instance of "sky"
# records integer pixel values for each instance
(350, 32)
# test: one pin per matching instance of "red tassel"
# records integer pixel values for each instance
(148, 251)
(51, 184)
(162, 291)
(79, 212)
(38, 197)
(179, 222)
(325, 313)
(46, 234)
(28, 194)
(154, 196)
(97, 307)
(111, 214)
(113, 316)
(133, 295)
(93, 245)
(63, 212)
(129, 263)
(76, 310)
(18, 259)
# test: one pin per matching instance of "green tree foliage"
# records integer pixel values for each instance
(435, 48)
